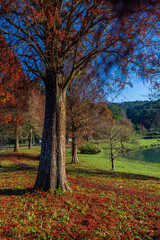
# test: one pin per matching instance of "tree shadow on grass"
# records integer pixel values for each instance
(16, 191)
(17, 168)
(110, 174)
(19, 156)
(17, 164)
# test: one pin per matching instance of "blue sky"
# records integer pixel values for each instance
(139, 92)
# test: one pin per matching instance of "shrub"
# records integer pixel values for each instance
(89, 149)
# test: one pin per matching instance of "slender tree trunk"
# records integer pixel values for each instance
(112, 159)
(112, 155)
(51, 173)
(30, 139)
(16, 145)
(74, 147)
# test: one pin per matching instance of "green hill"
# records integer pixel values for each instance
(146, 113)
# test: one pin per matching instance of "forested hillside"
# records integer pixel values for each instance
(146, 113)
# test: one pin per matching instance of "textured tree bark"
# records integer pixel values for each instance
(51, 173)
(74, 148)
(30, 139)
(16, 145)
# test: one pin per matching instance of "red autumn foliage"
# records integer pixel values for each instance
(13, 95)
(104, 206)
(13, 89)
(127, 123)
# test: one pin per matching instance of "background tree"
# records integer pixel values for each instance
(13, 95)
(34, 116)
(116, 134)
(112, 135)
(56, 40)
(126, 130)
(124, 136)
(82, 93)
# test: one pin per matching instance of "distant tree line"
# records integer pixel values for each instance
(143, 114)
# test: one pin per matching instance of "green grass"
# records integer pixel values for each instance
(124, 165)
(104, 204)
(102, 161)
(148, 142)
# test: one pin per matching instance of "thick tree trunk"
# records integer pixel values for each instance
(74, 148)
(51, 173)
(30, 139)
(16, 145)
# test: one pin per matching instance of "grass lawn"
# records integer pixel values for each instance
(104, 204)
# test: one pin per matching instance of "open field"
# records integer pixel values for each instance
(104, 204)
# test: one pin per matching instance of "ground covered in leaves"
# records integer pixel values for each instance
(102, 205)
